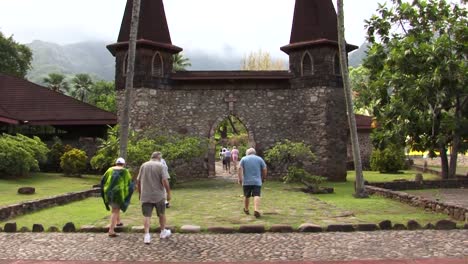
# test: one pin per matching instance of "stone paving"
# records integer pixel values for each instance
(270, 247)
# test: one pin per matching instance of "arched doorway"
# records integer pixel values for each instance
(227, 132)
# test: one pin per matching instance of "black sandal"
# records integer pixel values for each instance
(120, 224)
(246, 211)
(113, 235)
(257, 214)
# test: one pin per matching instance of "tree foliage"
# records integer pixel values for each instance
(57, 82)
(73, 162)
(180, 62)
(15, 58)
(102, 94)
(175, 149)
(389, 160)
(417, 66)
(20, 155)
(261, 61)
(82, 84)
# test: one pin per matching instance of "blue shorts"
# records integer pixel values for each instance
(252, 190)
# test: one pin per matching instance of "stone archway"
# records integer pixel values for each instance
(212, 154)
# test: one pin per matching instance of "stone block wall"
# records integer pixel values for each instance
(456, 212)
(15, 210)
(271, 111)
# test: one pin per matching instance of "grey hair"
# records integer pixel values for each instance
(156, 155)
(250, 151)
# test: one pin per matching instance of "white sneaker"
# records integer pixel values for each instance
(165, 233)
(147, 239)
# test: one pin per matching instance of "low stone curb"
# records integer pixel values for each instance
(367, 227)
(341, 228)
(310, 228)
(221, 230)
(191, 229)
(281, 229)
(252, 229)
(258, 229)
(14, 210)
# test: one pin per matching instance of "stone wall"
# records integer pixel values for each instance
(271, 111)
(456, 212)
(15, 210)
(413, 185)
(365, 148)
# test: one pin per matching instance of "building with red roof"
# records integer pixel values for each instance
(26, 106)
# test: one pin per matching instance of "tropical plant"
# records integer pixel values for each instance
(73, 162)
(103, 95)
(417, 67)
(15, 58)
(286, 154)
(82, 84)
(56, 82)
(300, 175)
(180, 62)
(389, 160)
(20, 155)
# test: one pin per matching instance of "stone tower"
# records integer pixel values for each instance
(314, 62)
(153, 64)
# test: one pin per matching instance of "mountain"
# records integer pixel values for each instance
(93, 58)
(86, 57)
(357, 57)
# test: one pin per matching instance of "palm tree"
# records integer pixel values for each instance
(180, 62)
(81, 86)
(125, 121)
(360, 191)
(56, 82)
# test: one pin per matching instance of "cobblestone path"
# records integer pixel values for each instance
(239, 248)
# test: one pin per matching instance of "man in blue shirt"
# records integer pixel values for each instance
(252, 173)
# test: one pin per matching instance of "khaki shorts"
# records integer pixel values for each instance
(147, 208)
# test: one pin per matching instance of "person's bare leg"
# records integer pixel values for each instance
(147, 223)
(113, 220)
(257, 203)
(246, 203)
(162, 222)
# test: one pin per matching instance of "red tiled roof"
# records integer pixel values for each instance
(152, 26)
(231, 75)
(314, 23)
(363, 122)
(24, 102)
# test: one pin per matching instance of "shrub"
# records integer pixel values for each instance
(20, 155)
(287, 153)
(389, 160)
(296, 174)
(73, 162)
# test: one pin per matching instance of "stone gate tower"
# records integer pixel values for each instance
(305, 103)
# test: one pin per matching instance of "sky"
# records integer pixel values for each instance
(214, 26)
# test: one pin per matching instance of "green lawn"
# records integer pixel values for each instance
(219, 202)
(46, 185)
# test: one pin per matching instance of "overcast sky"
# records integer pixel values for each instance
(214, 26)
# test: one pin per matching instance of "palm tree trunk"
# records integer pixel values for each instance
(125, 119)
(360, 191)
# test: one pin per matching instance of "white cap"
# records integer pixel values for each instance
(120, 161)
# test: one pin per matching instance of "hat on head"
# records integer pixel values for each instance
(120, 161)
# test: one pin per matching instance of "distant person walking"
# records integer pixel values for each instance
(235, 157)
(152, 182)
(116, 191)
(251, 175)
(227, 160)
